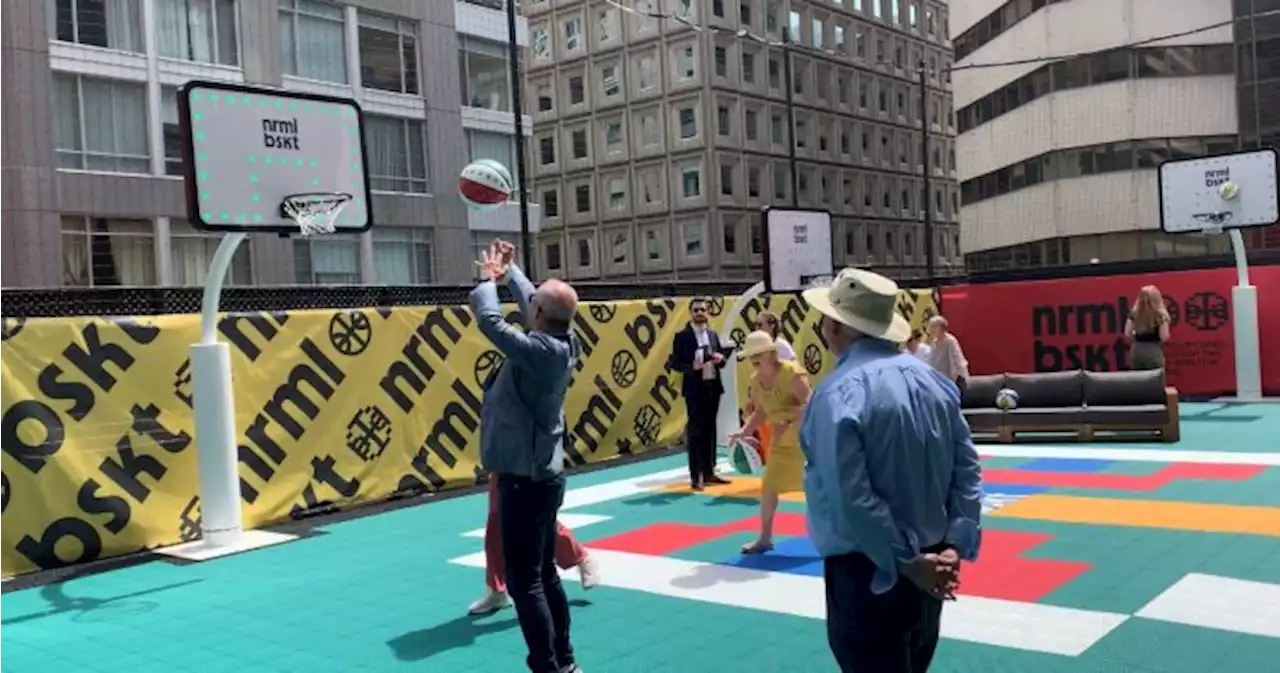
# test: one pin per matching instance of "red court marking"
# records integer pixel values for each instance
(1122, 482)
(1001, 572)
(661, 539)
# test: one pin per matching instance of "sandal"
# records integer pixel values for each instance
(757, 548)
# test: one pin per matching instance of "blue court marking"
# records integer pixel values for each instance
(1079, 465)
(795, 555)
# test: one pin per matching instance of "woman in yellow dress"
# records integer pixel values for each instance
(779, 392)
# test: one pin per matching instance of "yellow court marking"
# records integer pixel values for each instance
(740, 487)
(1146, 513)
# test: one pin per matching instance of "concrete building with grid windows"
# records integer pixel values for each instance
(91, 157)
(656, 144)
(1057, 158)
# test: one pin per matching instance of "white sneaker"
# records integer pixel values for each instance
(492, 602)
(589, 572)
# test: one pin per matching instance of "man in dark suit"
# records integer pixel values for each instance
(699, 356)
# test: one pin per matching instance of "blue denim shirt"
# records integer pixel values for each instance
(889, 463)
(522, 417)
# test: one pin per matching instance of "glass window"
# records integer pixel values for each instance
(313, 40)
(171, 131)
(546, 97)
(748, 68)
(686, 64)
(613, 135)
(688, 123)
(192, 253)
(751, 121)
(573, 34)
(753, 182)
(609, 80)
(102, 252)
(404, 256)
(546, 150)
(577, 92)
(486, 80)
(397, 151)
(194, 30)
(722, 62)
(726, 179)
(582, 198)
(389, 56)
(320, 260)
(620, 247)
(818, 30)
(579, 141)
(607, 21)
(490, 145)
(113, 24)
(551, 203)
(541, 41)
(617, 190)
(691, 180)
(553, 256)
(100, 125)
(775, 74)
(694, 233)
(722, 120)
(584, 252)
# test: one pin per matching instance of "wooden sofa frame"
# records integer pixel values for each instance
(1169, 431)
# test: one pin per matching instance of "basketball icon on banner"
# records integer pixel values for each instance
(485, 184)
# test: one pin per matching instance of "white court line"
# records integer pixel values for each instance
(571, 520)
(1221, 603)
(641, 485)
(1133, 455)
(1025, 626)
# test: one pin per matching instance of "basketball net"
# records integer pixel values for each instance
(316, 213)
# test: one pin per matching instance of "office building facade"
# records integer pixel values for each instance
(1057, 158)
(92, 188)
(657, 141)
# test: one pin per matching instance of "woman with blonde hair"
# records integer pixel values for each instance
(767, 321)
(1148, 329)
(945, 353)
(779, 392)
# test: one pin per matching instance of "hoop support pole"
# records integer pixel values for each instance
(1244, 312)
(727, 414)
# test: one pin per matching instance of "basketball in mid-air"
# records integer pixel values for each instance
(485, 184)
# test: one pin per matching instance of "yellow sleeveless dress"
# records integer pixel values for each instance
(784, 470)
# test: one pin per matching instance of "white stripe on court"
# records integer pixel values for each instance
(1222, 603)
(1133, 455)
(641, 485)
(1025, 626)
(571, 520)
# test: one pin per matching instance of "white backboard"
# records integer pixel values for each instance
(1229, 191)
(797, 248)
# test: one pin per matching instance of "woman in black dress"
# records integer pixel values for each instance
(1148, 329)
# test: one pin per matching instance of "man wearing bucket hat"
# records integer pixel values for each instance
(892, 482)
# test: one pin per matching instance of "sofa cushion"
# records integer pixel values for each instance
(1111, 389)
(980, 391)
(1048, 389)
(1138, 416)
(1045, 417)
(984, 420)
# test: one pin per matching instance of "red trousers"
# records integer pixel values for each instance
(568, 552)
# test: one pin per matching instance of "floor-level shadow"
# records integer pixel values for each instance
(657, 499)
(711, 574)
(457, 633)
(93, 609)
(451, 635)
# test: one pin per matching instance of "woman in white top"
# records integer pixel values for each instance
(947, 356)
(916, 347)
(768, 322)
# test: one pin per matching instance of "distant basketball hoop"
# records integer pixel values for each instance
(1228, 192)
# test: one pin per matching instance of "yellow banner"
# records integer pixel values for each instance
(335, 408)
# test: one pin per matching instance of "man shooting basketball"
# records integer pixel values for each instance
(522, 443)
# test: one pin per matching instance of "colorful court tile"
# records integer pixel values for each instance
(1098, 559)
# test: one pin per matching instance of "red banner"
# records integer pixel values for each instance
(1078, 323)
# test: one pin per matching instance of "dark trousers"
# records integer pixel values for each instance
(527, 511)
(700, 435)
(894, 632)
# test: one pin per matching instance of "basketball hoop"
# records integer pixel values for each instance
(315, 212)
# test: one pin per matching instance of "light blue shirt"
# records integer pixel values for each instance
(522, 416)
(890, 467)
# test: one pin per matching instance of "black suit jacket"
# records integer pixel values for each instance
(683, 349)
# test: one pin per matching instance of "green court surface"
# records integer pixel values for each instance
(1098, 558)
